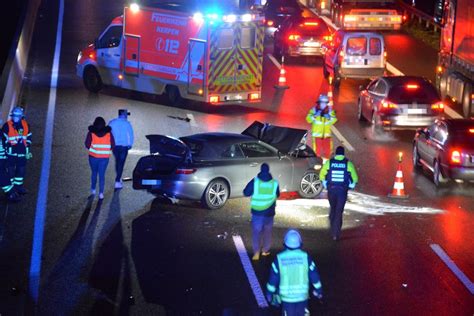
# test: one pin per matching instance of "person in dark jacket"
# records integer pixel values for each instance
(100, 143)
(264, 191)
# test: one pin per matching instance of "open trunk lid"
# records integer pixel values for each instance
(285, 139)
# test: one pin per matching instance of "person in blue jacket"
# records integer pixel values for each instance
(264, 191)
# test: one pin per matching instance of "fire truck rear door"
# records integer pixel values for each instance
(197, 66)
(132, 55)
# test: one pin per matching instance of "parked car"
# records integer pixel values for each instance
(213, 167)
(401, 101)
(447, 149)
(354, 55)
(301, 36)
(276, 11)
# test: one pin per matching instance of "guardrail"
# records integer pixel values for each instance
(415, 14)
(15, 65)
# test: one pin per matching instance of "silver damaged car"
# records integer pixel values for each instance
(213, 167)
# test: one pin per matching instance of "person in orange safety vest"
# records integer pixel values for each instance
(100, 143)
(16, 143)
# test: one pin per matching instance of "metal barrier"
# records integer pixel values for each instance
(15, 65)
(415, 14)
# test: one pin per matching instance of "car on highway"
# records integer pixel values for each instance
(301, 36)
(276, 11)
(359, 55)
(399, 101)
(447, 149)
(212, 167)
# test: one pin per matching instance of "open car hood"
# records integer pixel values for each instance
(168, 146)
(285, 139)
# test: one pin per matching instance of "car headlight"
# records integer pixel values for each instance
(79, 56)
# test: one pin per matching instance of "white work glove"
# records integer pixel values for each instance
(352, 185)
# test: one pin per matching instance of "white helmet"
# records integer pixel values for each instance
(17, 111)
(293, 239)
(323, 99)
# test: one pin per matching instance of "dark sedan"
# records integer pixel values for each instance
(276, 11)
(212, 167)
(447, 149)
(300, 36)
(400, 101)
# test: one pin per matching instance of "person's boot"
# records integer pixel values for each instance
(21, 190)
(12, 196)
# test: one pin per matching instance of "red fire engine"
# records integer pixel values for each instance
(205, 57)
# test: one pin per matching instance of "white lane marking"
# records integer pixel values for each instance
(396, 72)
(341, 138)
(453, 267)
(356, 202)
(254, 284)
(42, 201)
(274, 61)
(192, 121)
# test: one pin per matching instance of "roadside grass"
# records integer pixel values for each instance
(419, 31)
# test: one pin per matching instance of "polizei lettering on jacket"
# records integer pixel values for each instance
(292, 261)
(338, 165)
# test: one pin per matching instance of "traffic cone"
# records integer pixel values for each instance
(330, 94)
(398, 186)
(282, 78)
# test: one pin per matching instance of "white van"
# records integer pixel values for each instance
(354, 55)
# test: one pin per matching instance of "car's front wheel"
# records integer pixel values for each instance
(310, 186)
(360, 116)
(416, 158)
(216, 194)
(92, 80)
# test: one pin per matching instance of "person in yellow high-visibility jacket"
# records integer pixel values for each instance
(322, 117)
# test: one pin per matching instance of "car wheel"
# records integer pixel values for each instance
(310, 186)
(216, 194)
(173, 95)
(92, 80)
(325, 70)
(375, 121)
(438, 178)
(416, 158)
(360, 116)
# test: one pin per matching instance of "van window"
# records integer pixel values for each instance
(225, 39)
(247, 39)
(111, 38)
(356, 46)
(375, 46)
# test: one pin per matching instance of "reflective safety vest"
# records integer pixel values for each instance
(338, 174)
(294, 280)
(320, 125)
(101, 147)
(264, 194)
(15, 136)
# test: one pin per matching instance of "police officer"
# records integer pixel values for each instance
(17, 143)
(322, 117)
(338, 175)
(264, 191)
(292, 272)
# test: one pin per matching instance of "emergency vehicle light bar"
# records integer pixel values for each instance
(230, 18)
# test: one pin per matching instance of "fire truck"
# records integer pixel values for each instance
(167, 49)
(455, 70)
(363, 15)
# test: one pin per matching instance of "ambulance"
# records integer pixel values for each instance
(167, 49)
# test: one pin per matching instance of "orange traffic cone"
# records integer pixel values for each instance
(398, 186)
(330, 94)
(282, 78)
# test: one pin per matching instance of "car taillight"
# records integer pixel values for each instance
(455, 156)
(327, 38)
(254, 96)
(438, 106)
(269, 23)
(185, 170)
(311, 24)
(412, 86)
(471, 130)
(388, 105)
(293, 37)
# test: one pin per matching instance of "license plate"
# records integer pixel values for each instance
(312, 44)
(151, 182)
(416, 111)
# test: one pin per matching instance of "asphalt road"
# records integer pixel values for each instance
(136, 254)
